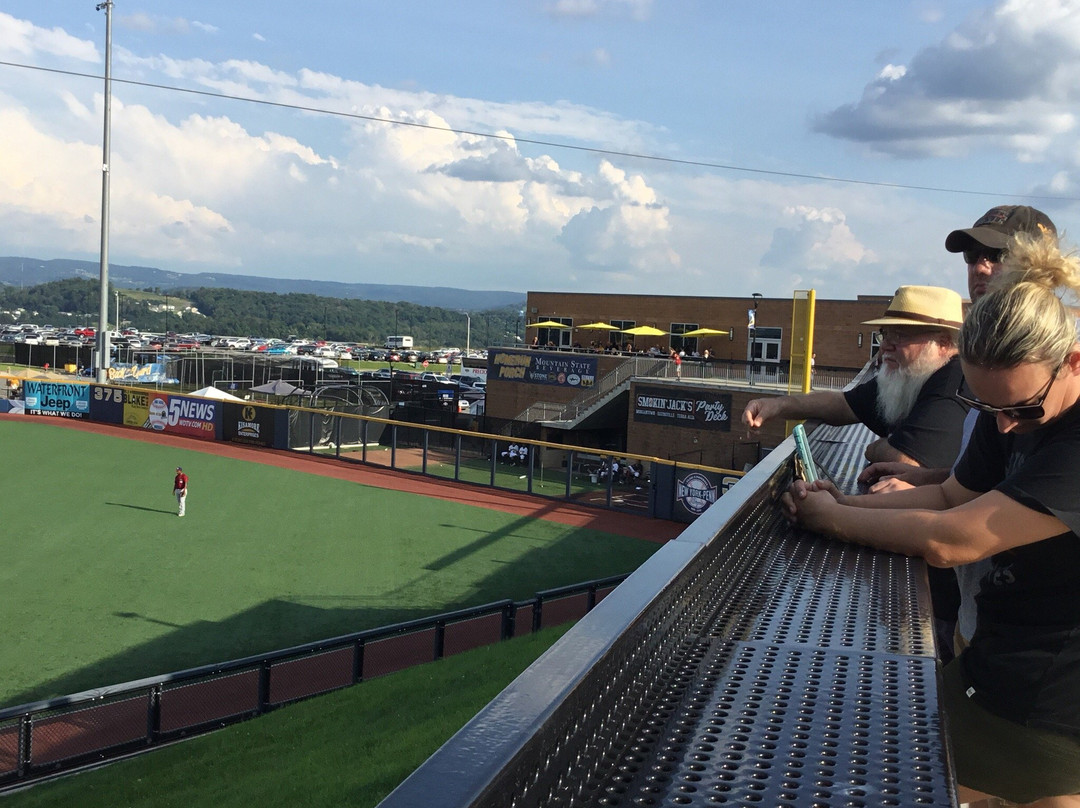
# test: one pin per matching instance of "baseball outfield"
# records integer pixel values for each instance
(104, 583)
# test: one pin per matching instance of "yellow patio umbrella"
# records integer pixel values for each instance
(597, 327)
(644, 331)
(703, 332)
(546, 324)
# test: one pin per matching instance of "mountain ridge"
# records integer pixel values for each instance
(26, 271)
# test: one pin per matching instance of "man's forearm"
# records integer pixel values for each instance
(830, 407)
(926, 497)
(881, 451)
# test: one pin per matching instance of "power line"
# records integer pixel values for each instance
(536, 142)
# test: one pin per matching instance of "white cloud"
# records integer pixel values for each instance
(19, 38)
(140, 21)
(636, 9)
(817, 239)
(1000, 79)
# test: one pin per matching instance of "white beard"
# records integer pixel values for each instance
(898, 389)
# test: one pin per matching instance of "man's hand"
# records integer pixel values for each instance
(809, 504)
(891, 476)
(760, 410)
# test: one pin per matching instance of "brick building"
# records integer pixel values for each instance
(563, 392)
(839, 340)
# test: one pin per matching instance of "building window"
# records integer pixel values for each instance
(617, 340)
(556, 337)
(687, 345)
(765, 347)
(875, 343)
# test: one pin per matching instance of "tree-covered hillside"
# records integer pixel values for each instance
(74, 302)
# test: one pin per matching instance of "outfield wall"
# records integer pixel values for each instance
(655, 487)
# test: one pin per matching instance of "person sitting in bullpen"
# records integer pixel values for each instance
(1012, 698)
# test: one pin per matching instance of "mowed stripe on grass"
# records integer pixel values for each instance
(104, 583)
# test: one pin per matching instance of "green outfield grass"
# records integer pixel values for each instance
(349, 748)
(103, 583)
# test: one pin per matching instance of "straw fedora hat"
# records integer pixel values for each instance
(925, 306)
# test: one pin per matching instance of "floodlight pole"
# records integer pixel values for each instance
(468, 337)
(102, 372)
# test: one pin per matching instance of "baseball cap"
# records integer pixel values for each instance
(995, 227)
(925, 306)
(179, 469)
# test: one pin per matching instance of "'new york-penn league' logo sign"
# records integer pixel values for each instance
(696, 492)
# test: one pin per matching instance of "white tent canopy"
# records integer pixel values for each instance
(213, 392)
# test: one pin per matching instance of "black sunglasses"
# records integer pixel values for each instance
(1014, 412)
(976, 255)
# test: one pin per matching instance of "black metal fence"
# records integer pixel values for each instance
(48, 738)
(618, 481)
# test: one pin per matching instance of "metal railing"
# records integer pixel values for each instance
(745, 663)
(556, 471)
(766, 375)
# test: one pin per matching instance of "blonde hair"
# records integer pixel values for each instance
(1022, 318)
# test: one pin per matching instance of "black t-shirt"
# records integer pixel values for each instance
(931, 432)
(1024, 660)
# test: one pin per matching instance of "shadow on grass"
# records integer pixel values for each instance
(140, 508)
(272, 625)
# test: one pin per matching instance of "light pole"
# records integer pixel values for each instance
(468, 337)
(753, 335)
(102, 373)
(118, 311)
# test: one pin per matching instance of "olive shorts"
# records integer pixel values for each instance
(1000, 757)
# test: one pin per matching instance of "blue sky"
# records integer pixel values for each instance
(738, 98)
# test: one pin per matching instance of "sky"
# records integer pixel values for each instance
(682, 147)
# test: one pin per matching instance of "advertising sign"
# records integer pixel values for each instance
(149, 373)
(136, 408)
(689, 407)
(107, 404)
(563, 370)
(247, 423)
(58, 399)
(696, 490)
(181, 415)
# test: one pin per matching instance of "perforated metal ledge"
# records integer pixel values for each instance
(745, 664)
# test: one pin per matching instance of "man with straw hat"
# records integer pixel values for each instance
(910, 401)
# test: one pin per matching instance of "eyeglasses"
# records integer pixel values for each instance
(898, 336)
(1014, 412)
(976, 255)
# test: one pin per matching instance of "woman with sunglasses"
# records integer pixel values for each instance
(1012, 698)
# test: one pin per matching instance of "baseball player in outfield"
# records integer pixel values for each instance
(180, 489)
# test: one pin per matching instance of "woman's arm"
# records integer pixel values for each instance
(948, 494)
(959, 534)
